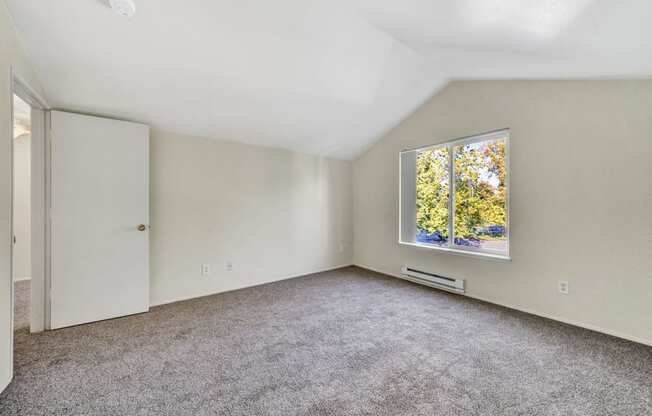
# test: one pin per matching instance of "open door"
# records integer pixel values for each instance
(99, 219)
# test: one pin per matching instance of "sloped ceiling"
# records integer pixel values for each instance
(326, 77)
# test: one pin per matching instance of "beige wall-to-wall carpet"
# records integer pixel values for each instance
(344, 342)
(253, 214)
(22, 303)
(581, 198)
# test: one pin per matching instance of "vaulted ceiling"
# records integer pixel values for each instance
(327, 77)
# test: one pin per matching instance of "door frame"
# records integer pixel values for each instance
(40, 155)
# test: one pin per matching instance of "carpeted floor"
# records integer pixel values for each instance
(21, 304)
(347, 342)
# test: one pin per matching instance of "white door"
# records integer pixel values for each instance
(99, 221)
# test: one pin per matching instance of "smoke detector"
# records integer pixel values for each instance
(123, 7)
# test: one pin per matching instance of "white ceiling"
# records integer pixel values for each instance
(326, 77)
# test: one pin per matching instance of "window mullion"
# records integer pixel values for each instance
(451, 195)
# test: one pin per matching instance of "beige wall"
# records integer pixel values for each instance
(10, 55)
(581, 198)
(22, 192)
(272, 213)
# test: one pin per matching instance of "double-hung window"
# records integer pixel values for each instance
(454, 196)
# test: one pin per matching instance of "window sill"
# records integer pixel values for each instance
(460, 252)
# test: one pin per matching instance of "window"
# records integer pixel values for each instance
(454, 196)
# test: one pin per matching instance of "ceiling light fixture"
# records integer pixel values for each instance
(123, 7)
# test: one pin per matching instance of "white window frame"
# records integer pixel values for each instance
(406, 213)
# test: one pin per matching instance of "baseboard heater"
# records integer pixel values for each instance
(432, 280)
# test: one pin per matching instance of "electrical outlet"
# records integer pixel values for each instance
(229, 266)
(563, 287)
(205, 269)
(341, 248)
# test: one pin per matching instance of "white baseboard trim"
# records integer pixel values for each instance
(591, 327)
(182, 298)
(21, 279)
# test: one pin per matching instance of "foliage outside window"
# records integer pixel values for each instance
(461, 194)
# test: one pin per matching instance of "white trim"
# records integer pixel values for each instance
(22, 279)
(38, 189)
(502, 134)
(47, 287)
(479, 137)
(590, 327)
(38, 223)
(468, 253)
(400, 192)
(10, 129)
(31, 97)
(450, 149)
(189, 297)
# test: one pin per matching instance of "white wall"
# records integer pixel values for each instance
(22, 191)
(10, 55)
(581, 198)
(272, 213)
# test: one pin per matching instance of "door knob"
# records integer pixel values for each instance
(142, 227)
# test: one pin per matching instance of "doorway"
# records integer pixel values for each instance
(29, 248)
(28, 135)
(21, 254)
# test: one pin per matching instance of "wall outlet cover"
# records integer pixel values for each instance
(563, 287)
